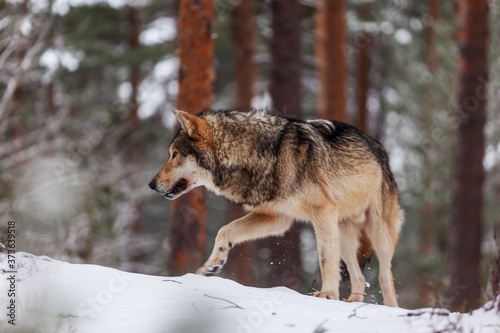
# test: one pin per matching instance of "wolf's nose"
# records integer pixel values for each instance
(152, 184)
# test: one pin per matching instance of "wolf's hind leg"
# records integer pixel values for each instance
(384, 245)
(252, 226)
(327, 237)
(349, 244)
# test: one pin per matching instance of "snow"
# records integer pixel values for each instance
(52, 59)
(54, 296)
(161, 30)
(403, 37)
(152, 89)
(62, 7)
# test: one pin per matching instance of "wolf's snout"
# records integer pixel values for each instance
(152, 184)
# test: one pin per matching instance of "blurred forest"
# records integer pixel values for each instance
(87, 89)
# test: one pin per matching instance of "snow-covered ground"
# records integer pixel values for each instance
(54, 296)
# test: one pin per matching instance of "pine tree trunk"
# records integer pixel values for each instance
(468, 175)
(133, 41)
(427, 229)
(134, 254)
(244, 44)
(331, 48)
(427, 210)
(242, 260)
(381, 64)
(49, 98)
(285, 54)
(187, 224)
(21, 53)
(285, 93)
(363, 48)
(15, 121)
(431, 35)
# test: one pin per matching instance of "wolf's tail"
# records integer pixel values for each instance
(365, 253)
(365, 250)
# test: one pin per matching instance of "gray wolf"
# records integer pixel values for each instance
(324, 172)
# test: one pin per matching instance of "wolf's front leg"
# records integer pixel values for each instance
(219, 253)
(252, 226)
(327, 238)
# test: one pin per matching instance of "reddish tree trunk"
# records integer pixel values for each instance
(49, 97)
(15, 122)
(380, 65)
(187, 224)
(21, 53)
(134, 252)
(363, 48)
(431, 35)
(133, 21)
(331, 34)
(428, 210)
(285, 53)
(285, 92)
(468, 172)
(242, 260)
(244, 44)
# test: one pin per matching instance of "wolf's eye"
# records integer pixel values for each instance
(174, 154)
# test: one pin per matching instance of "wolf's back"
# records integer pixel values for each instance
(261, 157)
(342, 137)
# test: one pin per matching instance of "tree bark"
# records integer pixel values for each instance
(431, 35)
(285, 90)
(381, 62)
(15, 121)
(134, 253)
(244, 44)
(242, 260)
(363, 48)
(427, 228)
(134, 75)
(468, 175)
(187, 224)
(285, 53)
(428, 209)
(331, 48)
(21, 53)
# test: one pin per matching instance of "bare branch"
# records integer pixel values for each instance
(8, 51)
(36, 136)
(433, 312)
(320, 328)
(354, 312)
(225, 300)
(24, 66)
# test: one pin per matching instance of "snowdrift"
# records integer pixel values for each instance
(54, 296)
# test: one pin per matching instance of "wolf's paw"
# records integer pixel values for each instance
(208, 270)
(329, 294)
(355, 298)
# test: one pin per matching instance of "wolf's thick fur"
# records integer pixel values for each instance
(325, 172)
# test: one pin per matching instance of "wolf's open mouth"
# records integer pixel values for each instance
(180, 186)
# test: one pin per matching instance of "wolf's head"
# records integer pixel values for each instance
(190, 154)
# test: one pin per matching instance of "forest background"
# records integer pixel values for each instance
(87, 89)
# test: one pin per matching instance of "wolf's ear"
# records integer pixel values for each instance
(194, 126)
